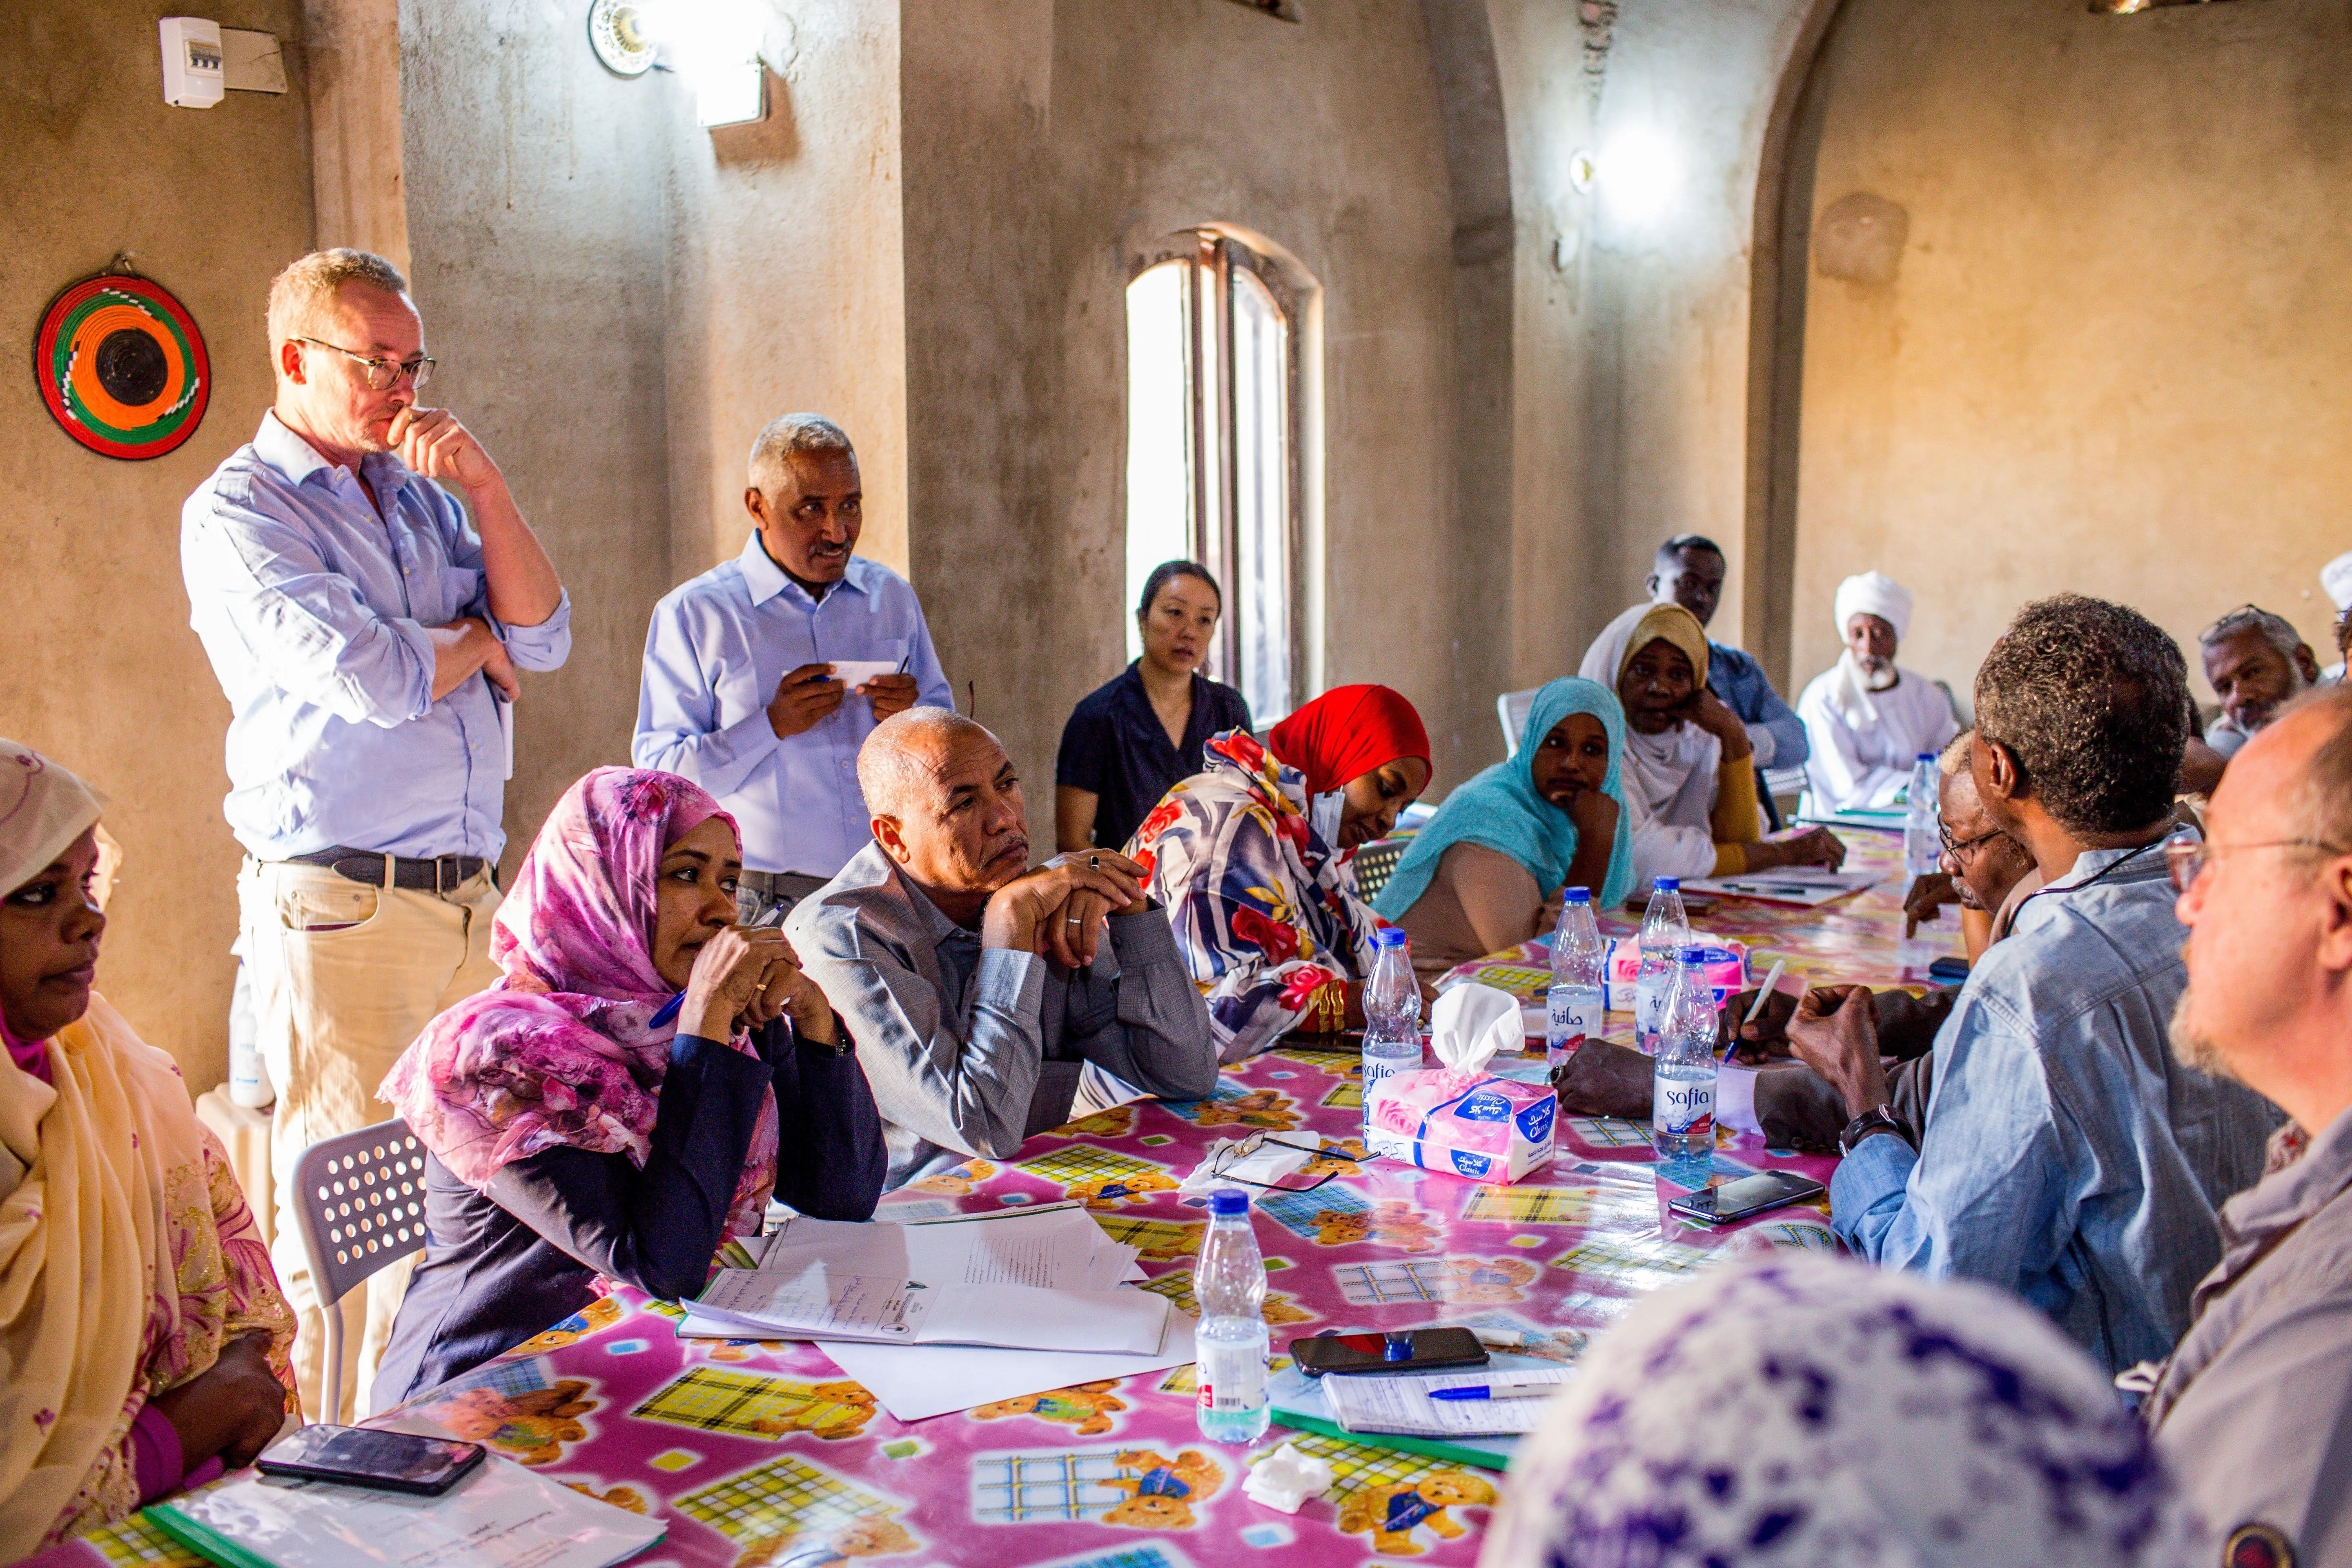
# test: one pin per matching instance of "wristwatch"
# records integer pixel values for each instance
(1877, 1119)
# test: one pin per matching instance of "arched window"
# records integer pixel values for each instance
(1212, 450)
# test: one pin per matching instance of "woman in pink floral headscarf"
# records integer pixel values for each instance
(613, 1108)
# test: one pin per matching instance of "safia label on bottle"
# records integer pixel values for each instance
(1683, 1109)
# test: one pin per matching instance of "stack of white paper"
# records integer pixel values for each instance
(1401, 1405)
(1041, 1280)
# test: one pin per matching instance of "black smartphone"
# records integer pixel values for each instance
(1425, 1350)
(1949, 970)
(1747, 1195)
(364, 1457)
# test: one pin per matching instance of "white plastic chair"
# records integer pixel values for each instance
(362, 1209)
(1512, 707)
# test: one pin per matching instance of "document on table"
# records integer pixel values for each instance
(818, 1303)
(1809, 885)
(1401, 1405)
(1052, 1248)
(914, 1383)
(501, 1516)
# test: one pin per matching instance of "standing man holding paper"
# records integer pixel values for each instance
(764, 675)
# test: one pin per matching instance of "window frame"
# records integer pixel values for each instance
(1216, 254)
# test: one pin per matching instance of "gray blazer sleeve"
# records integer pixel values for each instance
(1143, 1020)
(964, 1083)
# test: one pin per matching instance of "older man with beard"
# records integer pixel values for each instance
(2252, 1405)
(983, 993)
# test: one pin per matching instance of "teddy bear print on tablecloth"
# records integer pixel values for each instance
(1101, 1178)
(758, 1405)
(790, 1510)
(959, 1182)
(1137, 1489)
(531, 1426)
(1087, 1407)
(1391, 1512)
(593, 1318)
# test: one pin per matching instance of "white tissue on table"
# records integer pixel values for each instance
(1286, 1477)
(1272, 1162)
(1471, 1024)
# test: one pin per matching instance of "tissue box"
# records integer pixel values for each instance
(1727, 969)
(1487, 1129)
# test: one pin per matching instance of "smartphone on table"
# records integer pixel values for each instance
(1425, 1350)
(364, 1457)
(1748, 1196)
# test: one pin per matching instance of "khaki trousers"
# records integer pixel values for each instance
(344, 976)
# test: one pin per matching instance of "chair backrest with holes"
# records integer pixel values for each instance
(363, 1203)
(1513, 708)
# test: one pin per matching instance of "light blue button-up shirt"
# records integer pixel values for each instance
(313, 608)
(718, 647)
(2067, 1156)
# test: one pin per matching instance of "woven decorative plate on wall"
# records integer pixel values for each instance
(121, 366)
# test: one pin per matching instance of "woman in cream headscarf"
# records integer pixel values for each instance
(1690, 788)
(1867, 718)
(142, 1337)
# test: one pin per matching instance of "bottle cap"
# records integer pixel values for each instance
(1228, 1201)
(1578, 895)
(1389, 936)
(1927, 756)
(1666, 884)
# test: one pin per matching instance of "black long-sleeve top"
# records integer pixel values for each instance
(500, 1267)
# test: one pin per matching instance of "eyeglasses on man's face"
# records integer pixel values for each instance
(1959, 849)
(2186, 855)
(383, 374)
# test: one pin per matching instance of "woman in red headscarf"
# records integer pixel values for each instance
(1250, 859)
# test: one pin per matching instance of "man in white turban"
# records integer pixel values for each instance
(1868, 719)
(2336, 578)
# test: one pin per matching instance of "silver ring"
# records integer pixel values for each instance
(1076, 920)
(1094, 862)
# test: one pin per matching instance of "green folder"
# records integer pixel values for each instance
(203, 1540)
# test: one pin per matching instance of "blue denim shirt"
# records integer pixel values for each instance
(716, 648)
(2067, 1156)
(313, 608)
(1734, 675)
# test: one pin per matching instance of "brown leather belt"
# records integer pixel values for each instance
(440, 874)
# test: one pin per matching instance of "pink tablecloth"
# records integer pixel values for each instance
(763, 1454)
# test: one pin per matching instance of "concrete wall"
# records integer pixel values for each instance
(537, 226)
(2117, 355)
(1045, 147)
(96, 663)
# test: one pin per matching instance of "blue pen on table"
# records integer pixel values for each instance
(1500, 1388)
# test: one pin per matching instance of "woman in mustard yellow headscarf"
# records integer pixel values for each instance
(142, 1337)
(1690, 774)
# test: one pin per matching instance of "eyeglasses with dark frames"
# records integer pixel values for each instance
(1224, 1159)
(1958, 848)
(383, 374)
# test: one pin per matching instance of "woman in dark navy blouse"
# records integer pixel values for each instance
(629, 1095)
(1131, 738)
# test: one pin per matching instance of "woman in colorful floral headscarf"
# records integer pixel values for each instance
(1797, 1412)
(142, 1336)
(1250, 859)
(627, 1096)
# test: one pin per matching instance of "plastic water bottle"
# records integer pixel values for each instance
(1229, 1282)
(1923, 847)
(1572, 1007)
(1391, 1013)
(248, 1074)
(1682, 1095)
(1666, 930)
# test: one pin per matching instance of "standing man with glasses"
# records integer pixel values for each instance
(368, 639)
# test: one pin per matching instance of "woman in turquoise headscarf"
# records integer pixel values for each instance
(1485, 872)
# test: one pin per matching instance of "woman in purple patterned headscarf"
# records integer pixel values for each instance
(615, 1106)
(1801, 1412)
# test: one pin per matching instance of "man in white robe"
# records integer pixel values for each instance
(1867, 718)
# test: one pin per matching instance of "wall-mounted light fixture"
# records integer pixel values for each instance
(2127, 7)
(720, 50)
